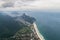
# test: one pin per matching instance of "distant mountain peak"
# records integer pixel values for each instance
(28, 18)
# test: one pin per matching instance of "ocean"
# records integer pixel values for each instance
(48, 24)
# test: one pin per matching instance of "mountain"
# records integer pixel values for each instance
(10, 25)
(27, 18)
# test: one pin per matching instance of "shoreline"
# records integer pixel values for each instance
(37, 31)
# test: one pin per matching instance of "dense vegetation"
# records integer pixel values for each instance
(25, 30)
(8, 26)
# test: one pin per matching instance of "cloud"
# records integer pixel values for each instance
(27, 0)
(7, 5)
(30, 4)
(15, 3)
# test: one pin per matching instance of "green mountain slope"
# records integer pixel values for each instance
(13, 28)
(8, 26)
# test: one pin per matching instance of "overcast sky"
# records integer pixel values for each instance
(29, 4)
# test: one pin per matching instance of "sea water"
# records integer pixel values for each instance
(48, 24)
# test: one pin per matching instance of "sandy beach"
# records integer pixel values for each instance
(37, 31)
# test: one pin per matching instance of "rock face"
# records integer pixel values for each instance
(28, 18)
(25, 19)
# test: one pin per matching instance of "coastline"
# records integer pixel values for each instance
(37, 31)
